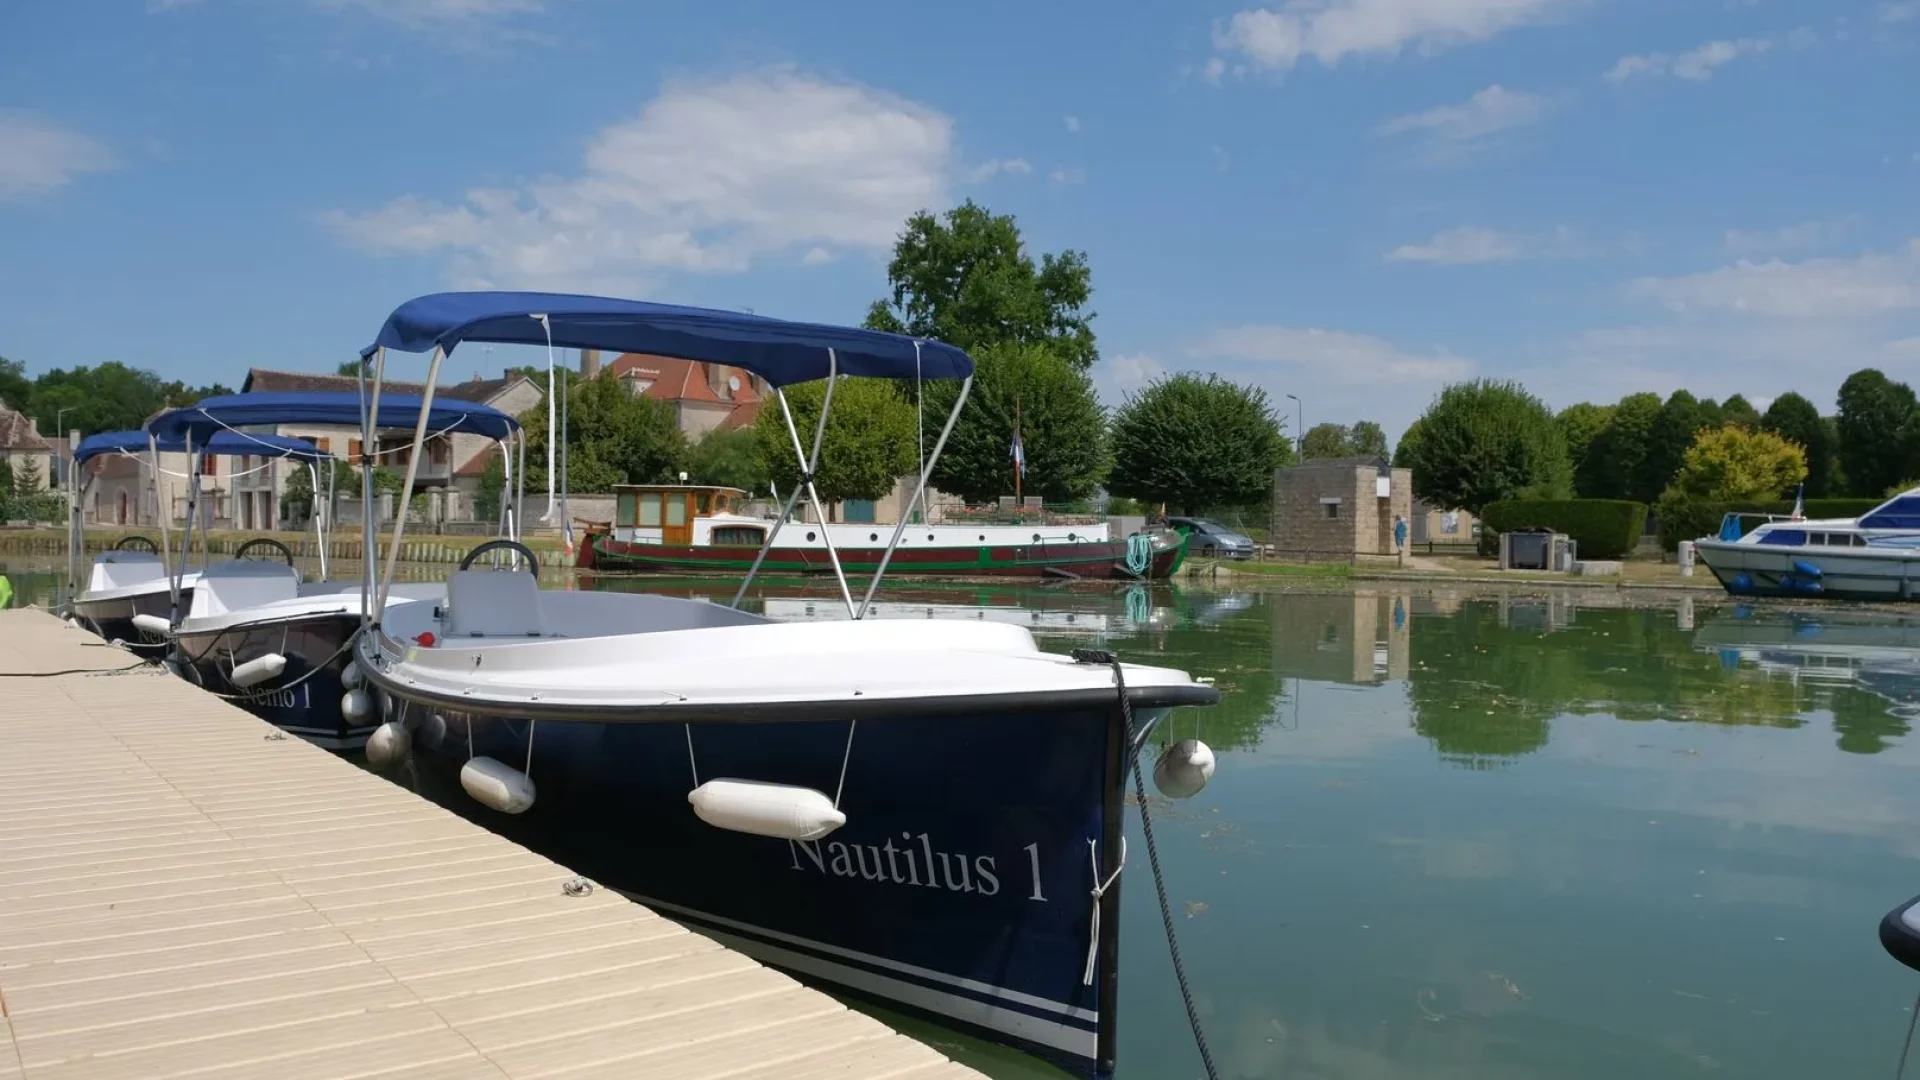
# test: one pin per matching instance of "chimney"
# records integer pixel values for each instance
(589, 363)
(33, 427)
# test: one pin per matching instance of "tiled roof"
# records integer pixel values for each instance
(16, 432)
(743, 415)
(266, 381)
(674, 379)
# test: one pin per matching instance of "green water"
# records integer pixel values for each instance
(1501, 834)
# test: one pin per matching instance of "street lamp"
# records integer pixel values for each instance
(1301, 436)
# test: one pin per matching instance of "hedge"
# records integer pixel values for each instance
(1603, 528)
(1693, 520)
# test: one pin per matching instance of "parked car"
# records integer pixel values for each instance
(1212, 539)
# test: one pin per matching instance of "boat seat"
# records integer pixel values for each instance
(493, 603)
(119, 569)
(226, 587)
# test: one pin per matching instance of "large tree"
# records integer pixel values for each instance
(1794, 419)
(1680, 418)
(868, 444)
(1063, 434)
(1873, 418)
(1194, 442)
(613, 437)
(966, 279)
(104, 397)
(1582, 425)
(1738, 410)
(1483, 441)
(1364, 439)
(729, 457)
(1732, 464)
(1614, 457)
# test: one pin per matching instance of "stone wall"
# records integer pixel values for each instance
(1333, 510)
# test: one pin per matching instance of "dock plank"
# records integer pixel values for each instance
(185, 893)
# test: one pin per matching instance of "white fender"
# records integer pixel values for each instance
(356, 706)
(1183, 769)
(351, 677)
(432, 730)
(151, 624)
(258, 670)
(777, 810)
(387, 745)
(497, 785)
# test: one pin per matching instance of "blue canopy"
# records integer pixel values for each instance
(225, 444)
(781, 352)
(333, 408)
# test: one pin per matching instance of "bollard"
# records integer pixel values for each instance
(1685, 557)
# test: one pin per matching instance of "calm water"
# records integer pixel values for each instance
(1502, 834)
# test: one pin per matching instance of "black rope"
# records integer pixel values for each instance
(74, 671)
(1097, 656)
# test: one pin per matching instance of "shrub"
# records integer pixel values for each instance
(1603, 528)
(1680, 519)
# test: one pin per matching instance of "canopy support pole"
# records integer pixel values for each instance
(406, 486)
(369, 510)
(186, 536)
(786, 511)
(153, 488)
(919, 492)
(809, 463)
(75, 529)
(319, 511)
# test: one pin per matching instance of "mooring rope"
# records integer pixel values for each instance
(1913, 1018)
(1098, 656)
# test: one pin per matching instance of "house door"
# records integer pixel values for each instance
(123, 509)
(676, 527)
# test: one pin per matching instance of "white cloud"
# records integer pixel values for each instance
(1807, 234)
(1069, 175)
(1214, 69)
(1833, 288)
(38, 156)
(1130, 372)
(1902, 11)
(708, 177)
(1696, 64)
(1345, 356)
(1452, 131)
(816, 257)
(1221, 160)
(1460, 247)
(1072, 122)
(987, 170)
(1332, 30)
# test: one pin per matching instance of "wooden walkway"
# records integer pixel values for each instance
(185, 892)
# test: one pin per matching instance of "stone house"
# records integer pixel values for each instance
(1336, 508)
(1434, 525)
(451, 463)
(27, 453)
(703, 396)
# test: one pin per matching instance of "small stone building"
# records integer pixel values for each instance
(1336, 508)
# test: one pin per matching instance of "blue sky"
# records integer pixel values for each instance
(1354, 201)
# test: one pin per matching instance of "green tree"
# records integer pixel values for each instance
(1408, 447)
(1483, 441)
(1368, 439)
(1873, 419)
(27, 478)
(1615, 455)
(296, 498)
(16, 390)
(1197, 442)
(1732, 464)
(178, 393)
(868, 444)
(613, 437)
(1794, 419)
(1738, 410)
(729, 457)
(493, 479)
(1581, 426)
(1327, 441)
(1063, 432)
(104, 397)
(1673, 430)
(967, 279)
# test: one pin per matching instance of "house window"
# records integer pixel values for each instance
(325, 446)
(741, 535)
(1333, 510)
(650, 510)
(209, 465)
(353, 449)
(706, 501)
(625, 506)
(676, 510)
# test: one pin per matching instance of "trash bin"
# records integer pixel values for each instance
(1528, 549)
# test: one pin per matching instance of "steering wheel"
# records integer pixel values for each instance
(267, 545)
(137, 543)
(515, 546)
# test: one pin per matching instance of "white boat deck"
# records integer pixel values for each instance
(185, 892)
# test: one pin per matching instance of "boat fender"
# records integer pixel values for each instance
(352, 677)
(497, 786)
(357, 706)
(1803, 567)
(151, 624)
(258, 670)
(432, 731)
(781, 811)
(388, 744)
(1742, 583)
(1183, 769)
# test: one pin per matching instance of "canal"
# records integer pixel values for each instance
(1496, 832)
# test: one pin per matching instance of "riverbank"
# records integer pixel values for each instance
(1452, 569)
(344, 545)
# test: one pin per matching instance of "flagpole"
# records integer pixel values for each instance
(1019, 454)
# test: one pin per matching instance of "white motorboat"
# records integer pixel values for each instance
(1873, 557)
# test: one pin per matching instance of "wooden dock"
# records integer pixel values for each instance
(184, 891)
